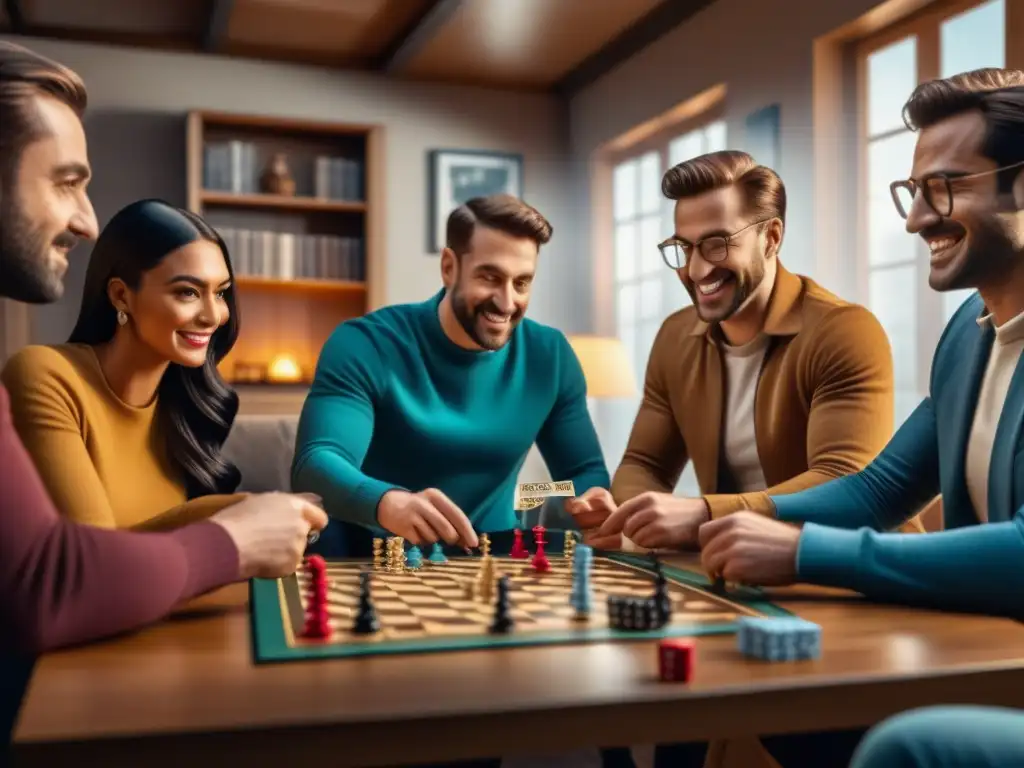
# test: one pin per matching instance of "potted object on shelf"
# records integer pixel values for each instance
(276, 178)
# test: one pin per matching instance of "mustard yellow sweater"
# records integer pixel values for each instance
(102, 460)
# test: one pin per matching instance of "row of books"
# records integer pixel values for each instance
(290, 256)
(236, 166)
(231, 166)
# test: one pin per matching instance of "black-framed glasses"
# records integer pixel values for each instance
(936, 189)
(714, 248)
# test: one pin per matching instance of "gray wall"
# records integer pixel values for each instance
(136, 133)
(762, 52)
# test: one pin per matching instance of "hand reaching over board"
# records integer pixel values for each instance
(590, 511)
(270, 531)
(425, 517)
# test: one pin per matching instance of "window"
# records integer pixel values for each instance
(646, 290)
(896, 285)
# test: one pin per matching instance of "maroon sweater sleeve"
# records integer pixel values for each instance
(62, 583)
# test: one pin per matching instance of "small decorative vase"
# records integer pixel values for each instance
(276, 179)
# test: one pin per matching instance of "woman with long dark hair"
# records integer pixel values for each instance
(132, 408)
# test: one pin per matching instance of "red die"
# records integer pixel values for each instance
(675, 660)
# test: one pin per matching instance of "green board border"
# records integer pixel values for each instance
(271, 646)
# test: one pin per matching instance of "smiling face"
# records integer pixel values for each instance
(719, 289)
(179, 303)
(489, 286)
(976, 245)
(46, 210)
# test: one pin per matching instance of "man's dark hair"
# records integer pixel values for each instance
(24, 76)
(505, 213)
(997, 93)
(763, 192)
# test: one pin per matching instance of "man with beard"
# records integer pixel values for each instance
(965, 199)
(768, 383)
(421, 415)
(63, 583)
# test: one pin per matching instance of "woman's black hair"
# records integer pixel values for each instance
(195, 407)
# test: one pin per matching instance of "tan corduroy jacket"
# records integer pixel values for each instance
(823, 407)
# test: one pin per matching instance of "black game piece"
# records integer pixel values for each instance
(366, 622)
(662, 603)
(719, 586)
(502, 620)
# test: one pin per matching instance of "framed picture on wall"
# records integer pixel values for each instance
(457, 175)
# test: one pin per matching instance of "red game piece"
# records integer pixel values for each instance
(519, 552)
(318, 623)
(675, 660)
(540, 559)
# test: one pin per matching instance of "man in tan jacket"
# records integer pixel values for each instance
(768, 383)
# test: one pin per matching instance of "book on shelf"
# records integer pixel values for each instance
(231, 166)
(291, 256)
(338, 178)
(235, 166)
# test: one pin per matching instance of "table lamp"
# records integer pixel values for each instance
(606, 366)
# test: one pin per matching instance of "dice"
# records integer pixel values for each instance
(675, 660)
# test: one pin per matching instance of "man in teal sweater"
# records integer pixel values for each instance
(965, 198)
(421, 415)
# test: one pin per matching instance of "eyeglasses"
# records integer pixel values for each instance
(714, 248)
(936, 189)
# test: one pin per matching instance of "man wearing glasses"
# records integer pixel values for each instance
(965, 198)
(768, 384)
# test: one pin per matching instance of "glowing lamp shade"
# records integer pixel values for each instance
(606, 366)
(283, 368)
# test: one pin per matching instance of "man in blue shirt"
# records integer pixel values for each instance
(421, 415)
(965, 198)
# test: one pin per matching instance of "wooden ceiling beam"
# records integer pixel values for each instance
(15, 17)
(412, 40)
(216, 31)
(658, 22)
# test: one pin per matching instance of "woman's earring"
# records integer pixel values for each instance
(122, 318)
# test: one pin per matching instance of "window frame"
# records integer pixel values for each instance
(926, 27)
(659, 144)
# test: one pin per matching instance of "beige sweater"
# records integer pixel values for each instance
(1002, 361)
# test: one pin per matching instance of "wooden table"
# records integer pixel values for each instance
(187, 689)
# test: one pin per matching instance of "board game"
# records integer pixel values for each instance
(429, 609)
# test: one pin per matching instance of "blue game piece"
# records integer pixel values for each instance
(414, 558)
(580, 595)
(778, 639)
(437, 554)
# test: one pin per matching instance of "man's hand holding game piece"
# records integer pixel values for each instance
(425, 517)
(591, 510)
(658, 521)
(270, 531)
(748, 548)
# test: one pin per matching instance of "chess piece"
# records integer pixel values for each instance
(502, 619)
(414, 557)
(662, 601)
(519, 552)
(366, 622)
(437, 554)
(580, 595)
(569, 547)
(485, 545)
(485, 579)
(540, 561)
(318, 623)
(396, 555)
(378, 553)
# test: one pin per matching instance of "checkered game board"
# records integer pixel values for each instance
(428, 609)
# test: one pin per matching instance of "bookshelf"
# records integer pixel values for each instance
(306, 245)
